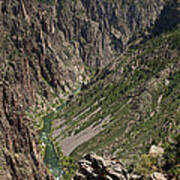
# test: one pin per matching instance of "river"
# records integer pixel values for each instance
(51, 158)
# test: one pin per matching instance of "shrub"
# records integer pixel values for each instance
(47, 1)
(146, 166)
(172, 157)
(168, 164)
(68, 164)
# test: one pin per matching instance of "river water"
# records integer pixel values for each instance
(51, 159)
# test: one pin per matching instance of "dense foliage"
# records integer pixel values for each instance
(168, 163)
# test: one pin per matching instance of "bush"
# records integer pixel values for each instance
(168, 164)
(47, 1)
(68, 164)
(172, 157)
(146, 166)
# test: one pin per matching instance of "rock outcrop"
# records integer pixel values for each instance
(156, 151)
(94, 167)
(20, 154)
(48, 48)
(158, 176)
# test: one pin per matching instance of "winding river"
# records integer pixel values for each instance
(51, 159)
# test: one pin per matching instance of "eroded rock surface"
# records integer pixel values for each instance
(94, 167)
(158, 176)
(46, 49)
(156, 151)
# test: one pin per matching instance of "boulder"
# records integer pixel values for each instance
(94, 167)
(156, 151)
(158, 176)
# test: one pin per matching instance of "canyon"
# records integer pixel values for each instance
(113, 64)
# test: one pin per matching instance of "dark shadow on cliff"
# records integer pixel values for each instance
(169, 18)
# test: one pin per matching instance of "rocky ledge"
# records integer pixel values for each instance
(94, 167)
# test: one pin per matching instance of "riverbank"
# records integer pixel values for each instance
(50, 156)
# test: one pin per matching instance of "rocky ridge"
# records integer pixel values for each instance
(93, 167)
(47, 49)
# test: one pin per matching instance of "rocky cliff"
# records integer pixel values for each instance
(49, 48)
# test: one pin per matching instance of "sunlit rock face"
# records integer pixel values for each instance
(49, 48)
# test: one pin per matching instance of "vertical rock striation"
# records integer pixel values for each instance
(46, 49)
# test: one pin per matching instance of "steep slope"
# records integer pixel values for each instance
(49, 48)
(133, 104)
(51, 40)
(20, 157)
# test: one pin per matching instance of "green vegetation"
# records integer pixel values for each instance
(147, 165)
(129, 105)
(134, 103)
(47, 1)
(66, 52)
(68, 164)
(172, 157)
(57, 163)
(168, 163)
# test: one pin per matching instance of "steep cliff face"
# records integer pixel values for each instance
(19, 152)
(48, 48)
(49, 42)
(104, 28)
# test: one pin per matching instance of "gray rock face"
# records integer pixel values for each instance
(158, 176)
(94, 167)
(156, 151)
(102, 28)
(45, 47)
